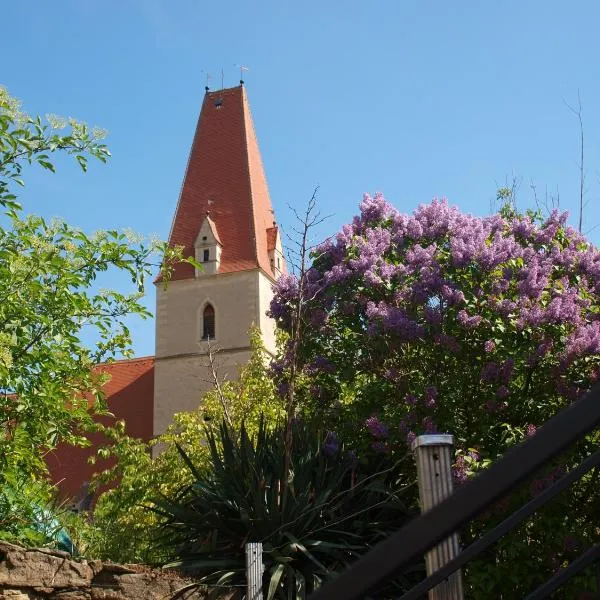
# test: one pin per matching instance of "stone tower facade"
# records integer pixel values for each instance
(225, 220)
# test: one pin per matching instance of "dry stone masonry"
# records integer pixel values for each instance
(39, 574)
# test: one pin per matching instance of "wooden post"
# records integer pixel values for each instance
(254, 571)
(434, 476)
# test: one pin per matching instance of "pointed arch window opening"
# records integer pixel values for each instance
(208, 322)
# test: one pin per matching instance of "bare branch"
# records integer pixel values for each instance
(535, 196)
(215, 380)
(578, 112)
(299, 255)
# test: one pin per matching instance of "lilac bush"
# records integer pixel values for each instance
(441, 321)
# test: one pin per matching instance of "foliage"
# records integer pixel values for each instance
(334, 511)
(441, 321)
(19, 506)
(122, 528)
(49, 301)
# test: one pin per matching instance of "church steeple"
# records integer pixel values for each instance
(225, 220)
(225, 178)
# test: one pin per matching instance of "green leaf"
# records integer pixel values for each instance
(274, 580)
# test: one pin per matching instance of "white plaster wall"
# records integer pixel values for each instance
(180, 383)
(179, 311)
(182, 374)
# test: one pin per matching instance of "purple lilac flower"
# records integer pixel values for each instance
(411, 436)
(394, 319)
(540, 352)
(506, 370)
(376, 208)
(531, 430)
(321, 364)
(432, 315)
(459, 470)
(411, 399)
(431, 396)
(583, 341)
(282, 388)
(506, 307)
(429, 426)
(400, 254)
(414, 229)
(376, 428)
(331, 444)
(391, 374)
(431, 392)
(489, 346)
(447, 341)
(469, 322)
(502, 392)
(418, 256)
(474, 455)
(523, 227)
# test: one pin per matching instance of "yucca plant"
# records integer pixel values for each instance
(332, 510)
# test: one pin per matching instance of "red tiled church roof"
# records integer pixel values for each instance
(272, 238)
(130, 397)
(124, 373)
(225, 178)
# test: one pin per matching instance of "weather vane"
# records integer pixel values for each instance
(242, 69)
(208, 77)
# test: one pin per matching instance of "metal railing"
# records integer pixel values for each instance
(420, 535)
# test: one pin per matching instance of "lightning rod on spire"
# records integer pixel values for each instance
(242, 68)
(208, 77)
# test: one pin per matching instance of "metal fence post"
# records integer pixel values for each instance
(254, 571)
(434, 476)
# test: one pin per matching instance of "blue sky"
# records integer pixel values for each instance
(414, 99)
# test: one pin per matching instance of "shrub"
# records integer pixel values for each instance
(332, 510)
(441, 321)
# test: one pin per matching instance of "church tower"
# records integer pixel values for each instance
(225, 220)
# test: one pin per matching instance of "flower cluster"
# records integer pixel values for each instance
(444, 321)
(376, 428)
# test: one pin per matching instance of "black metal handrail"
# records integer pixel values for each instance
(501, 529)
(420, 535)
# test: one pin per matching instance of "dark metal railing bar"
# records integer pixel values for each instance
(412, 541)
(580, 563)
(502, 528)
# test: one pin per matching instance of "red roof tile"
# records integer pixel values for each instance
(272, 238)
(225, 177)
(130, 397)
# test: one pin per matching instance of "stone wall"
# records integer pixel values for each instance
(39, 574)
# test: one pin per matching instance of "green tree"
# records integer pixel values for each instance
(441, 321)
(123, 528)
(49, 301)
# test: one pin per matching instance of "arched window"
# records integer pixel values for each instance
(208, 323)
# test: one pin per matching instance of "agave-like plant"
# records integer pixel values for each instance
(331, 511)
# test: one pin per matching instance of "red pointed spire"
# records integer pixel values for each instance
(225, 177)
